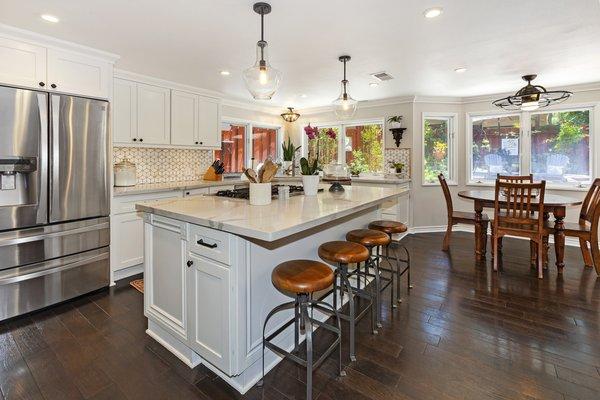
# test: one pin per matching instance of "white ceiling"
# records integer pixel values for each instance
(190, 41)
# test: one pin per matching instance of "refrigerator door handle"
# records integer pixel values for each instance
(42, 209)
(54, 155)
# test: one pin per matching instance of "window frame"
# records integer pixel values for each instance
(525, 142)
(341, 126)
(452, 179)
(248, 125)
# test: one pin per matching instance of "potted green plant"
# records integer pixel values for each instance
(289, 150)
(358, 164)
(395, 122)
(310, 176)
(396, 167)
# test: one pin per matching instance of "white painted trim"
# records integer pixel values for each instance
(126, 272)
(452, 144)
(361, 104)
(23, 35)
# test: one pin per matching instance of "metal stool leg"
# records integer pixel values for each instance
(351, 316)
(377, 287)
(309, 348)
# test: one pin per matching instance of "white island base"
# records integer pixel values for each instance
(208, 291)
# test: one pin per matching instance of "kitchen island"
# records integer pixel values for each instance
(208, 263)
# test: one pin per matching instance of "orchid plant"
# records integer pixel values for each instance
(317, 135)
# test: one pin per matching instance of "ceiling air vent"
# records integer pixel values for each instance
(382, 76)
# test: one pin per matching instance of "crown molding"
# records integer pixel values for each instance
(579, 88)
(253, 106)
(34, 38)
(361, 104)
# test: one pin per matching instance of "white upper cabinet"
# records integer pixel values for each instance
(153, 114)
(209, 117)
(184, 118)
(195, 120)
(124, 111)
(22, 64)
(51, 67)
(75, 73)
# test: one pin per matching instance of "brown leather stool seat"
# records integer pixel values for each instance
(388, 226)
(343, 252)
(302, 276)
(368, 237)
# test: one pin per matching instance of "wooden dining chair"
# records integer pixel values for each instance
(514, 215)
(515, 178)
(460, 217)
(586, 230)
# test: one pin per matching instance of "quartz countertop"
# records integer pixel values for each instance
(144, 188)
(272, 222)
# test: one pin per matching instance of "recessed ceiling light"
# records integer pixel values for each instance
(50, 18)
(225, 73)
(373, 84)
(460, 70)
(303, 96)
(433, 12)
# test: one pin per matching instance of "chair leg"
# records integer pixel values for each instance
(484, 229)
(540, 258)
(595, 253)
(495, 240)
(533, 253)
(586, 253)
(446, 244)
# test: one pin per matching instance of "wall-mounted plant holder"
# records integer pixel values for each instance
(397, 134)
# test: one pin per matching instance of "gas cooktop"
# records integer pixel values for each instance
(244, 193)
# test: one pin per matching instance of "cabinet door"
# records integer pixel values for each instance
(404, 209)
(209, 302)
(184, 118)
(165, 298)
(153, 114)
(22, 64)
(209, 122)
(124, 111)
(127, 240)
(74, 73)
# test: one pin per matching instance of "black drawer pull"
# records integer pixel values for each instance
(203, 243)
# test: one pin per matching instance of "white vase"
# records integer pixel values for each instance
(285, 165)
(260, 194)
(310, 184)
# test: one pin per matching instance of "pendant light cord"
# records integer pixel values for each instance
(262, 36)
(344, 81)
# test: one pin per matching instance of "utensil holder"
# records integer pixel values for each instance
(260, 194)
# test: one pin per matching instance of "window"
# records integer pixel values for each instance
(264, 144)
(554, 146)
(560, 147)
(237, 149)
(438, 147)
(325, 144)
(363, 147)
(359, 146)
(233, 145)
(496, 146)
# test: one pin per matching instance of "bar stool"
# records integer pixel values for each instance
(303, 277)
(343, 253)
(373, 240)
(391, 227)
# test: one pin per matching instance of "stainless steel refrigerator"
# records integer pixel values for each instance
(54, 198)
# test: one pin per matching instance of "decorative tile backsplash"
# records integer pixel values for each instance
(155, 165)
(398, 155)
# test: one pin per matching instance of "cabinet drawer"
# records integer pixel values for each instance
(209, 243)
(125, 204)
(195, 192)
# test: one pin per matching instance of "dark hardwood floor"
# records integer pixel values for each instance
(463, 333)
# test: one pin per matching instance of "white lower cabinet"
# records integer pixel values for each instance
(397, 209)
(128, 232)
(208, 288)
(165, 276)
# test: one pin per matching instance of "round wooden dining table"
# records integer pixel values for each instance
(553, 204)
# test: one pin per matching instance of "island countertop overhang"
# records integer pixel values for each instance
(280, 219)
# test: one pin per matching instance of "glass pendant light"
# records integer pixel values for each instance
(261, 79)
(344, 106)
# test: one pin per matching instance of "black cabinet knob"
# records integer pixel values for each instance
(196, 142)
(187, 193)
(135, 139)
(201, 142)
(53, 86)
(190, 263)
(141, 140)
(42, 84)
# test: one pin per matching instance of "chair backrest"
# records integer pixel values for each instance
(447, 194)
(590, 203)
(515, 178)
(515, 204)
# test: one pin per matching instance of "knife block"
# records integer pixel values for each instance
(211, 175)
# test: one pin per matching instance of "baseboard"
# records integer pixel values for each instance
(126, 273)
(569, 241)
